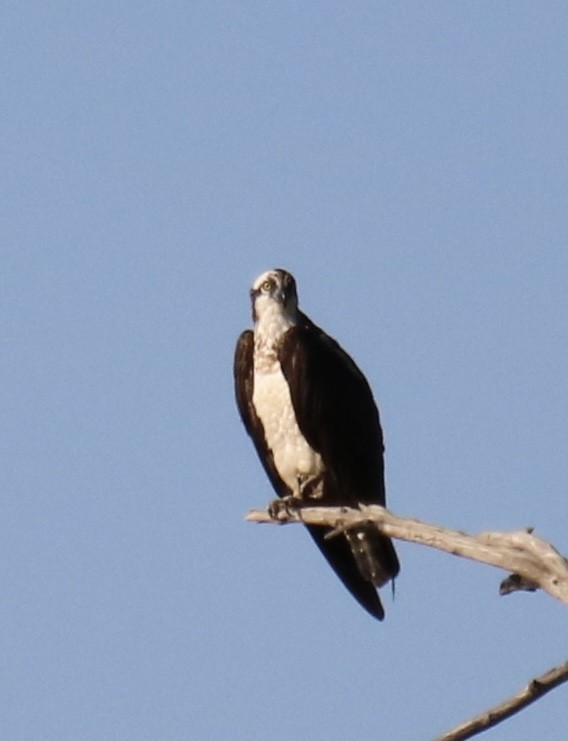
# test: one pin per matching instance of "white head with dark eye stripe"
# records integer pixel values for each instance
(273, 295)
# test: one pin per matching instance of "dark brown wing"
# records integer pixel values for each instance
(336, 412)
(337, 415)
(243, 372)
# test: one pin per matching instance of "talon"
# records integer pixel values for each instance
(282, 509)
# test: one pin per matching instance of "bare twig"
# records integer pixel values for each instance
(535, 689)
(536, 562)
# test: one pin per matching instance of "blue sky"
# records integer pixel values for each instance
(408, 162)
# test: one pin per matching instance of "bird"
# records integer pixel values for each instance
(311, 415)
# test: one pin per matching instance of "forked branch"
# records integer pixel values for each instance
(533, 562)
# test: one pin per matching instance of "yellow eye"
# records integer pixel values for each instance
(267, 285)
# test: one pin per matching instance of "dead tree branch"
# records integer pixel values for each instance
(534, 690)
(533, 562)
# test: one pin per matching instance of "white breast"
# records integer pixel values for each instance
(296, 462)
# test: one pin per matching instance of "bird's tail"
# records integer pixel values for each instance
(374, 554)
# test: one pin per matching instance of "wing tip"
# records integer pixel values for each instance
(371, 602)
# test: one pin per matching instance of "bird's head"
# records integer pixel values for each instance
(274, 293)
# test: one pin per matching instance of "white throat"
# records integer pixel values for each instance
(272, 324)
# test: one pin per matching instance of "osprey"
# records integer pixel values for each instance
(315, 426)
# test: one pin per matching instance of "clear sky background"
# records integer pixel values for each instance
(408, 162)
